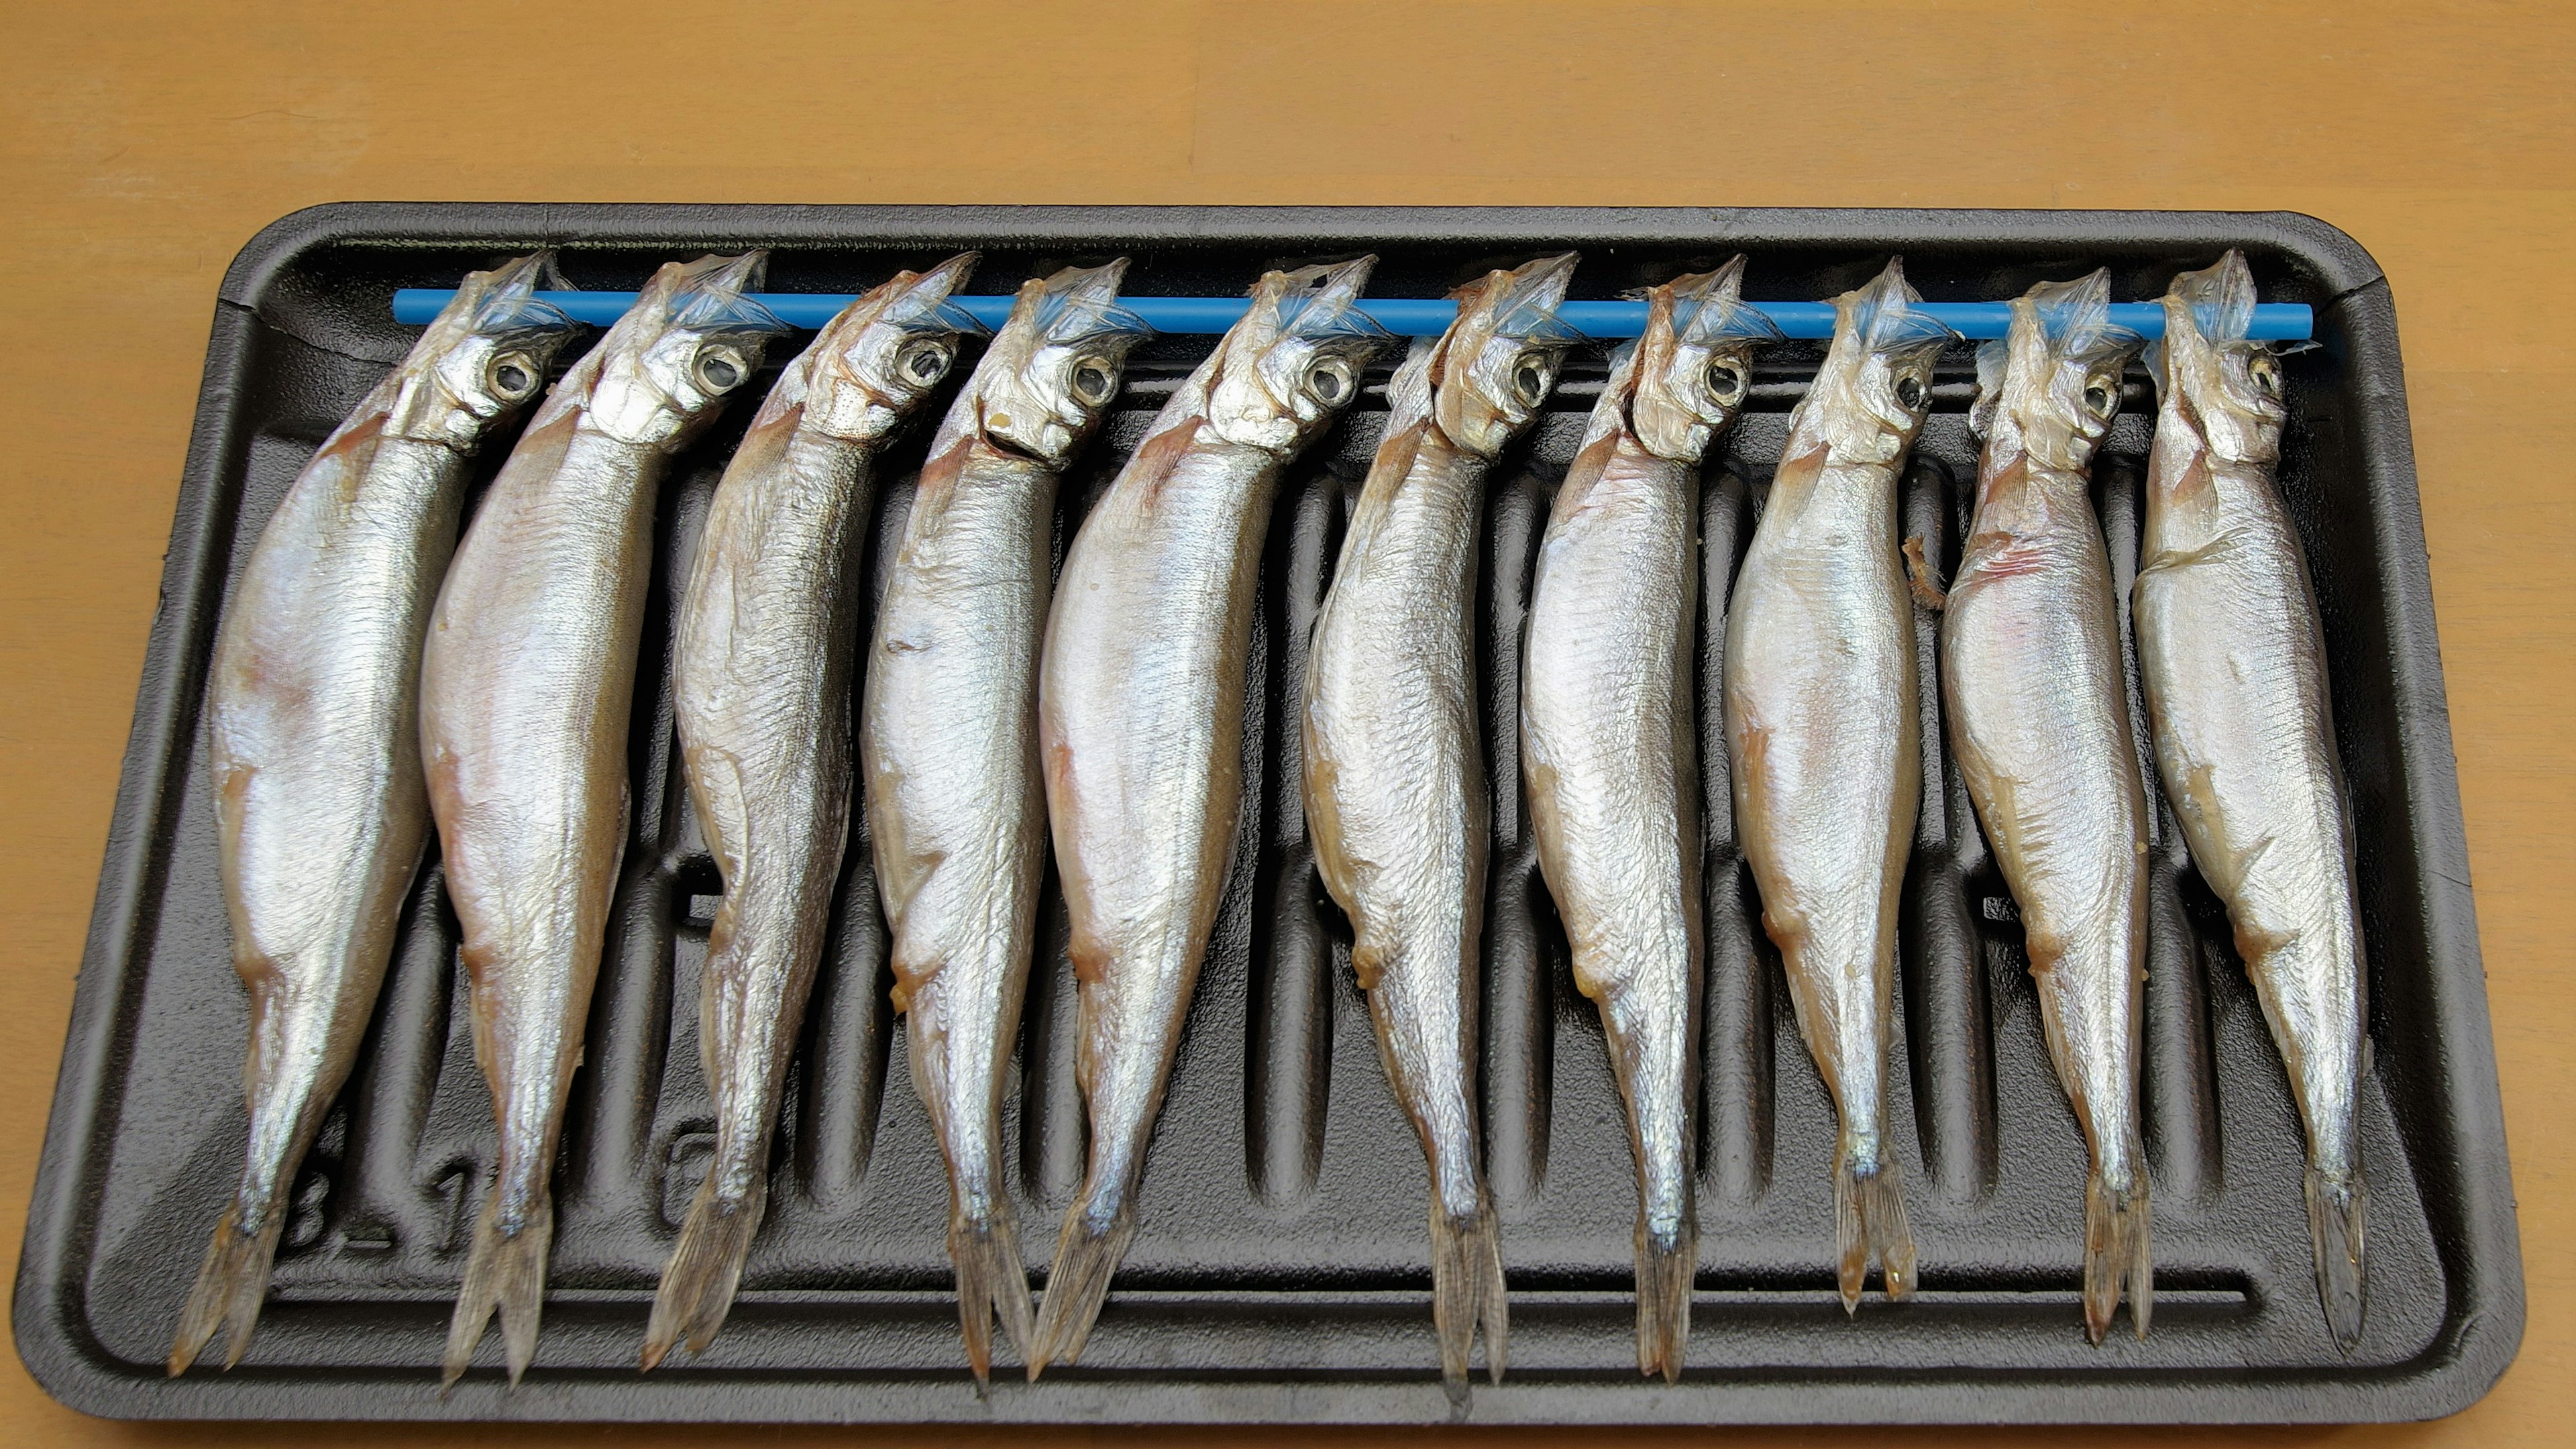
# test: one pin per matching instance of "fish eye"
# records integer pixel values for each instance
(511, 376)
(1726, 381)
(1529, 381)
(1094, 380)
(2098, 398)
(1909, 392)
(721, 369)
(2265, 372)
(923, 363)
(1329, 381)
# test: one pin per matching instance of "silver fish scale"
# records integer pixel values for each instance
(1161, 860)
(1821, 671)
(961, 820)
(326, 814)
(1608, 662)
(1395, 717)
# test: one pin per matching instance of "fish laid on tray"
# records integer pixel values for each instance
(2233, 659)
(1394, 769)
(366, 686)
(313, 732)
(527, 682)
(2038, 706)
(1610, 746)
(1822, 731)
(958, 814)
(1140, 724)
(761, 687)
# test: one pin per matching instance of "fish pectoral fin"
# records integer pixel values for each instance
(1918, 577)
(2167, 560)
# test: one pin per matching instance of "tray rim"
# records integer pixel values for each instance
(2483, 1324)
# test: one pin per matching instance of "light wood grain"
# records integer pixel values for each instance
(141, 145)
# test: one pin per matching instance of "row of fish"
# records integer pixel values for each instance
(366, 686)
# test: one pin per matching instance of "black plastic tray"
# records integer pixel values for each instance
(1281, 1271)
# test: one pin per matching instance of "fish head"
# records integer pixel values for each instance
(1499, 360)
(1055, 366)
(2226, 384)
(1693, 365)
(1874, 388)
(691, 342)
(482, 358)
(1292, 363)
(875, 362)
(2050, 387)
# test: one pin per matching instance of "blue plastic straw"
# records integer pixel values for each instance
(1405, 317)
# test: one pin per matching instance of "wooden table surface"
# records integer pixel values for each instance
(142, 145)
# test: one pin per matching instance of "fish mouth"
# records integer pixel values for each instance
(520, 274)
(509, 301)
(1082, 303)
(2221, 298)
(1525, 301)
(1887, 318)
(715, 292)
(1710, 308)
(2075, 317)
(1325, 302)
(923, 304)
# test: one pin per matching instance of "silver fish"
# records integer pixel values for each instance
(2038, 705)
(951, 747)
(1140, 721)
(2234, 662)
(527, 682)
(1820, 723)
(1394, 778)
(1610, 747)
(313, 735)
(760, 686)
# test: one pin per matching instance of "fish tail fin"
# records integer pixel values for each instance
(2335, 1203)
(1086, 1257)
(1467, 1293)
(1869, 1221)
(231, 1285)
(504, 1272)
(991, 1279)
(2118, 1226)
(706, 1265)
(1667, 1266)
